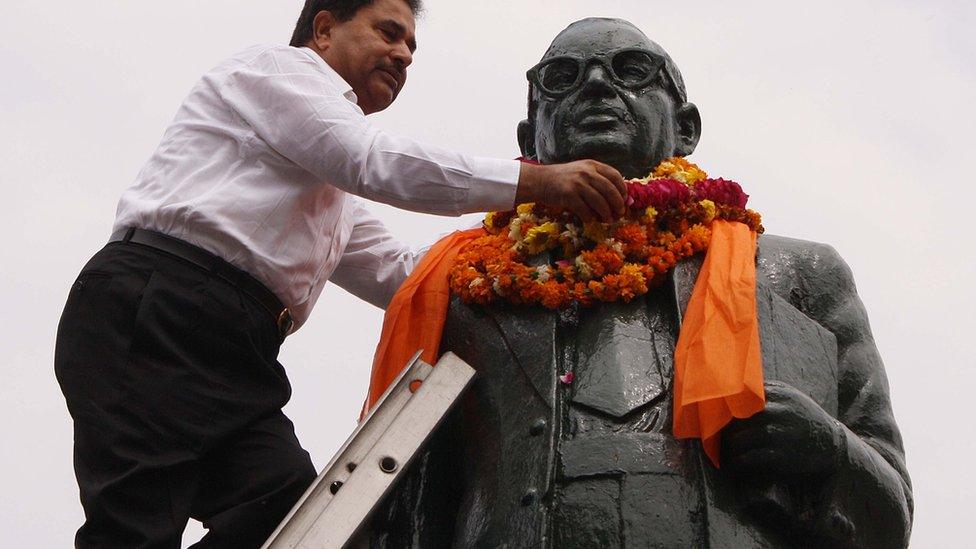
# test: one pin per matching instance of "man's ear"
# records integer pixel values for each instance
(689, 129)
(526, 139)
(322, 29)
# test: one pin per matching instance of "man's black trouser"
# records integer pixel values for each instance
(171, 376)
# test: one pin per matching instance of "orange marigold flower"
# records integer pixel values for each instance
(602, 260)
(624, 259)
(632, 236)
(554, 295)
(596, 231)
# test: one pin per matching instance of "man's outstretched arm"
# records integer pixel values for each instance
(294, 103)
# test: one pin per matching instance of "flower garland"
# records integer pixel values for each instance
(669, 213)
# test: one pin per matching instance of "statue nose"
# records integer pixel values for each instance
(596, 81)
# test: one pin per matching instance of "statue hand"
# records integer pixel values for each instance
(792, 437)
(587, 188)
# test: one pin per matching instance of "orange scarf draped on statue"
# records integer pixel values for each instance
(717, 366)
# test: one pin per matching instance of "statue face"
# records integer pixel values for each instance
(602, 93)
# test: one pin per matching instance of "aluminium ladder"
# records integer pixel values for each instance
(337, 506)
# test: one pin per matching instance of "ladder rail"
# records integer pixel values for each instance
(338, 504)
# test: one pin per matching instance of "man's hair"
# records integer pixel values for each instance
(342, 10)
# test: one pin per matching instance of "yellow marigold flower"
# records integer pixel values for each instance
(490, 219)
(595, 231)
(541, 238)
(679, 169)
(525, 209)
(632, 270)
(649, 214)
(710, 210)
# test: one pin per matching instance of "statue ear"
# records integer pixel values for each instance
(526, 139)
(689, 129)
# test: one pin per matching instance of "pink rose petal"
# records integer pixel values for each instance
(722, 191)
(567, 378)
(660, 193)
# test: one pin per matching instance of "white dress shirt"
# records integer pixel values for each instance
(259, 166)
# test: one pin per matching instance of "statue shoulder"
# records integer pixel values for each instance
(810, 275)
(814, 256)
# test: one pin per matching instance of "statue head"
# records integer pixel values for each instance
(605, 91)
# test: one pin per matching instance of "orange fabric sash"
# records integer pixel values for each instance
(718, 368)
(717, 362)
(415, 317)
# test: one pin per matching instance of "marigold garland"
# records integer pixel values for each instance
(669, 213)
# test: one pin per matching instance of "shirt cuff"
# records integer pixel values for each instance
(494, 186)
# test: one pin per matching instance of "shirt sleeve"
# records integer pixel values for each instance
(299, 111)
(374, 264)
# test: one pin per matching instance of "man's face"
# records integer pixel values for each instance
(606, 117)
(372, 51)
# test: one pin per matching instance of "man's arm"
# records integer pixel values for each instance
(289, 100)
(374, 263)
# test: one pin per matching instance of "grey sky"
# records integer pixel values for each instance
(847, 122)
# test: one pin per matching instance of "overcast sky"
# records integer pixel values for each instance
(847, 121)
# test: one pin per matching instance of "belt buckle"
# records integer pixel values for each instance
(285, 322)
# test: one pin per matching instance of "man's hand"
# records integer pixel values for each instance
(792, 437)
(587, 188)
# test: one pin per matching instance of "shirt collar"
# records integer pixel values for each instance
(344, 88)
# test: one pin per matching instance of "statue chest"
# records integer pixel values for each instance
(546, 454)
(621, 475)
(621, 356)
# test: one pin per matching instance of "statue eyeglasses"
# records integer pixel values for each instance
(631, 68)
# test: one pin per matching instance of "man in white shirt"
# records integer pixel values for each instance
(167, 347)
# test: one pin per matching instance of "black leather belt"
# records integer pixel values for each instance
(215, 265)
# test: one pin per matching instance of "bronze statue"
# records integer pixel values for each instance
(530, 461)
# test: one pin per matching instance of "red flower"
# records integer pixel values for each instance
(722, 191)
(660, 193)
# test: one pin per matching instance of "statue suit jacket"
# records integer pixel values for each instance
(487, 479)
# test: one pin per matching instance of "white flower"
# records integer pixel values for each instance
(497, 287)
(572, 236)
(515, 230)
(583, 269)
(542, 272)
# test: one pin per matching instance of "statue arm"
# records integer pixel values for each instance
(870, 500)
